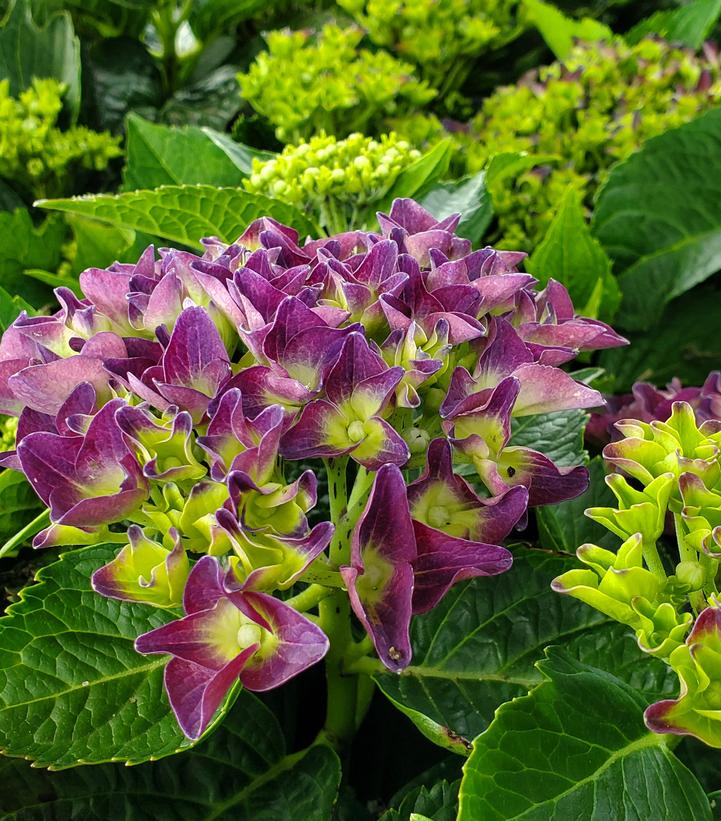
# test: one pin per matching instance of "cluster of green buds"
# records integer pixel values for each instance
(35, 155)
(668, 491)
(439, 37)
(309, 82)
(337, 179)
(585, 113)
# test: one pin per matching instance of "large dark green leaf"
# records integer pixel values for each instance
(72, 688)
(241, 773)
(28, 51)
(576, 747)
(122, 77)
(478, 647)
(558, 435)
(570, 255)
(468, 197)
(689, 25)
(211, 101)
(613, 647)
(182, 213)
(658, 218)
(163, 155)
(564, 527)
(685, 343)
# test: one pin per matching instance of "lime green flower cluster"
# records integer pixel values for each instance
(306, 83)
(339, 179)
(8, 431)
(438, 37)
(677, 466)
(588, 112)
(35, 155)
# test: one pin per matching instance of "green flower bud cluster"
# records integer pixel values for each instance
(436, 36)
(35, 155)
(337, 178)
(306, 83)
(585, 113)
(674, 475)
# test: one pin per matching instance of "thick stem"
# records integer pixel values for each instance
(342, 689)
(348, 695)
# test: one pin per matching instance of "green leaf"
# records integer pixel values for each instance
(510, 164)
(439, 802)
(477, 648)
(685, 343)
(421, 174)
(468, 197)
(560, 31)
(573, 257)
(163, 155)
(657, 217)
(183, 213)
(240, 773)
(564, 527)
(208, 16)
(122, 77)
(19, 504)
(23, 247)
(28, 51)
(212, 101)
(99, 244)
(689, 25)
(72, 688)
(613, 647)
(576, 747)
(559, 435)
(10, 307)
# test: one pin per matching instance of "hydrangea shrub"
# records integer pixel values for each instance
(309, 82)
(662, 581)
(585, 114)
(186, 406)
(36, 156)
(441, 38)
(336, 179)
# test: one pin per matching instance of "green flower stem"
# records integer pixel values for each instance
(348, 695)
(685, 552)
(30, 529)
(653, 560)
(340, 720)
(309, 598)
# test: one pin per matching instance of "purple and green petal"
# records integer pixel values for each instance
(445, 560)
(145, 571)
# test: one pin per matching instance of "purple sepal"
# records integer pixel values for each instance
(380, 578)
(228, 634)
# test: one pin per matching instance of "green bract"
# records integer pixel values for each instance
(305, 83)
(338, 179)
(35, 155)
